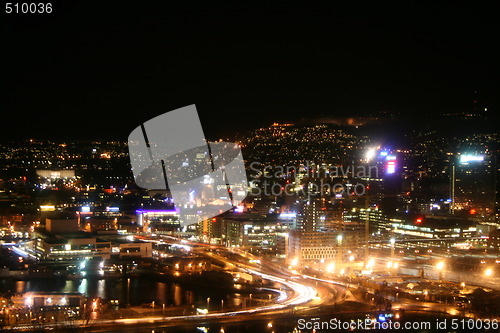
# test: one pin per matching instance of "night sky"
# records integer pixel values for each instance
(97, 69)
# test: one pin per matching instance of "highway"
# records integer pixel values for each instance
(295, 291)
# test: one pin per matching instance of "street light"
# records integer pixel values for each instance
(370, 154)
(440, 268)
(488, 272)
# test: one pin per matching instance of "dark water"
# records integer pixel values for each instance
(132, 291)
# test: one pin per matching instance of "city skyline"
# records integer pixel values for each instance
(275, 167)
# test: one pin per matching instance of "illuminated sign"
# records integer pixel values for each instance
(288, 215)
(471, 158)
(47, 208)
(391, 167)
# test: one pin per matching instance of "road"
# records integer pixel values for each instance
(296, 291)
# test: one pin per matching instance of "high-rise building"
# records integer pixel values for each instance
(473, 185)
(310, 246)
(324, 236)
(311, 215)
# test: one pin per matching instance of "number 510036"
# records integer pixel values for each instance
(28, 8)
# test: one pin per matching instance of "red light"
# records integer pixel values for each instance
(419, 220)
(214, 220)
(472, 211)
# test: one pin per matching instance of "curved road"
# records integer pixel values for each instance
(302, 290)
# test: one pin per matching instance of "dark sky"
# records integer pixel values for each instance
(97, 69)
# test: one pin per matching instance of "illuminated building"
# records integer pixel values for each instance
(56, 174)
(316, 238)
(377, 219)
(133, 249)
(313, 246)
(158, 220)
(432, 227)
(62, 240)
(96, 223)
(77, 247)
(473, 185)
(38, 300)
(288, 219)
(312, 214)
(250, 231)
(264, 205)
(342, 245)
(265, 235)
(494, 240)
(384, 182)
(99, 219)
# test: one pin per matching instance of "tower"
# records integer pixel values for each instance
(473, 184)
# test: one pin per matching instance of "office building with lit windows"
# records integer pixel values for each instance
(159, 220)
(473, 184)
(61, 240)
(437, 227)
